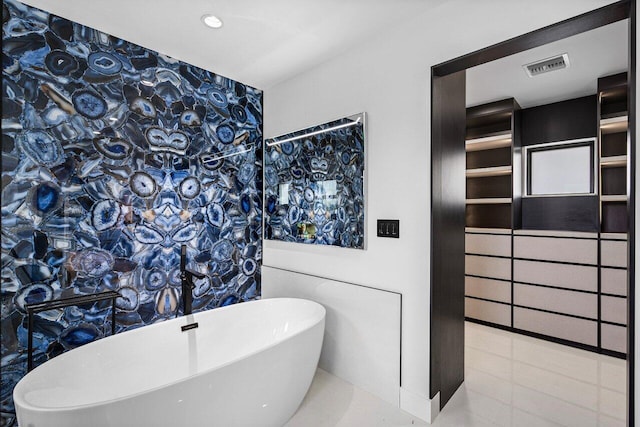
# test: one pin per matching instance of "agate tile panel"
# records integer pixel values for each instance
(113, 156)
(314, 184)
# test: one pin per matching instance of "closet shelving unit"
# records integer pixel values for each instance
(489, 164)
(492, 187)
(613, 126)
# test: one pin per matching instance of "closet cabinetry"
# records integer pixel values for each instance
(613, 291)
(489, 164)
(612, 129)
(612, 135)
(556, 284)
(568, 284)
(488, 276)
(490, 193)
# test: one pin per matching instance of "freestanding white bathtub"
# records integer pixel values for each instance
(248, 364)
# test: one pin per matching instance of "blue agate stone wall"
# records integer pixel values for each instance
(314, 186)
(113, 156)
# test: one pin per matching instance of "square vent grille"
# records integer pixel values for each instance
(547, 65)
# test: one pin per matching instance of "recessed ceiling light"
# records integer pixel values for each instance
(211, 21)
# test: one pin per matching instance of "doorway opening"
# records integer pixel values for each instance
(451, 209)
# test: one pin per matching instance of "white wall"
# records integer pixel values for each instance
(389, 78)
(361, 343)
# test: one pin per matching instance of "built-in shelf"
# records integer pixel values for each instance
(489, 201)
(557, 233)
(613, 236)
(488, 230)
(614, 124)
(489, 142)
(493, 171)
(613, 161)
(490, 170)
(613, 197)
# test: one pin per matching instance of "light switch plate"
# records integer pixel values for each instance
(389, 228)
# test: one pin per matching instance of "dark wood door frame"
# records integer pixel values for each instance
(448, 204)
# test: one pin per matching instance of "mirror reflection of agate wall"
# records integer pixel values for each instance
(314, 184)
(112, 157)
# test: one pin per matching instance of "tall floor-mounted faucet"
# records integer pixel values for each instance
(186, 277)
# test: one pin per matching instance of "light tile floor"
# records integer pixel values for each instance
(510, 380)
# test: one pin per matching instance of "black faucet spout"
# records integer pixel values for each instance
(186, 278)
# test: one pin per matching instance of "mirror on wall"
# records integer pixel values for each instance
(314, 184)
(561, 168)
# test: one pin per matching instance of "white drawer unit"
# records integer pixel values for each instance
(490, 267)
(556, 325)
(613, 309)
(558, 300)
(613, 253)
(488, 244)
(562, 285)
(579, 277)
(613, 281)
(496, 290)
(613, 337)
(488, 311)
(579, 251)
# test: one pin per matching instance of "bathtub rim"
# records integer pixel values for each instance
(31, 407)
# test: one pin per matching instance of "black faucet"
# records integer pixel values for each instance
(186, 277)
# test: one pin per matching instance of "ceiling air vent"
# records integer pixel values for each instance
(547, 65)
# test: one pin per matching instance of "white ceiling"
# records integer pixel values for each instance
(597, 53)
(261, 43)
(265, 42)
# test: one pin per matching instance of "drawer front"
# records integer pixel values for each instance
(581, 251)
(613, 253)
(614, 281)
(558, 300)
(488, 311)
(614, 337)
(496, 290)
(614, 309)
(487, 244)
(580, 277)
(498, 268)
(556, 325)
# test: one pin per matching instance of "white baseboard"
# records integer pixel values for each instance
(419, 406)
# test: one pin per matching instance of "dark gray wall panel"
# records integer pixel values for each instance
(577, 213)
(560, 121)
(447, 235)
